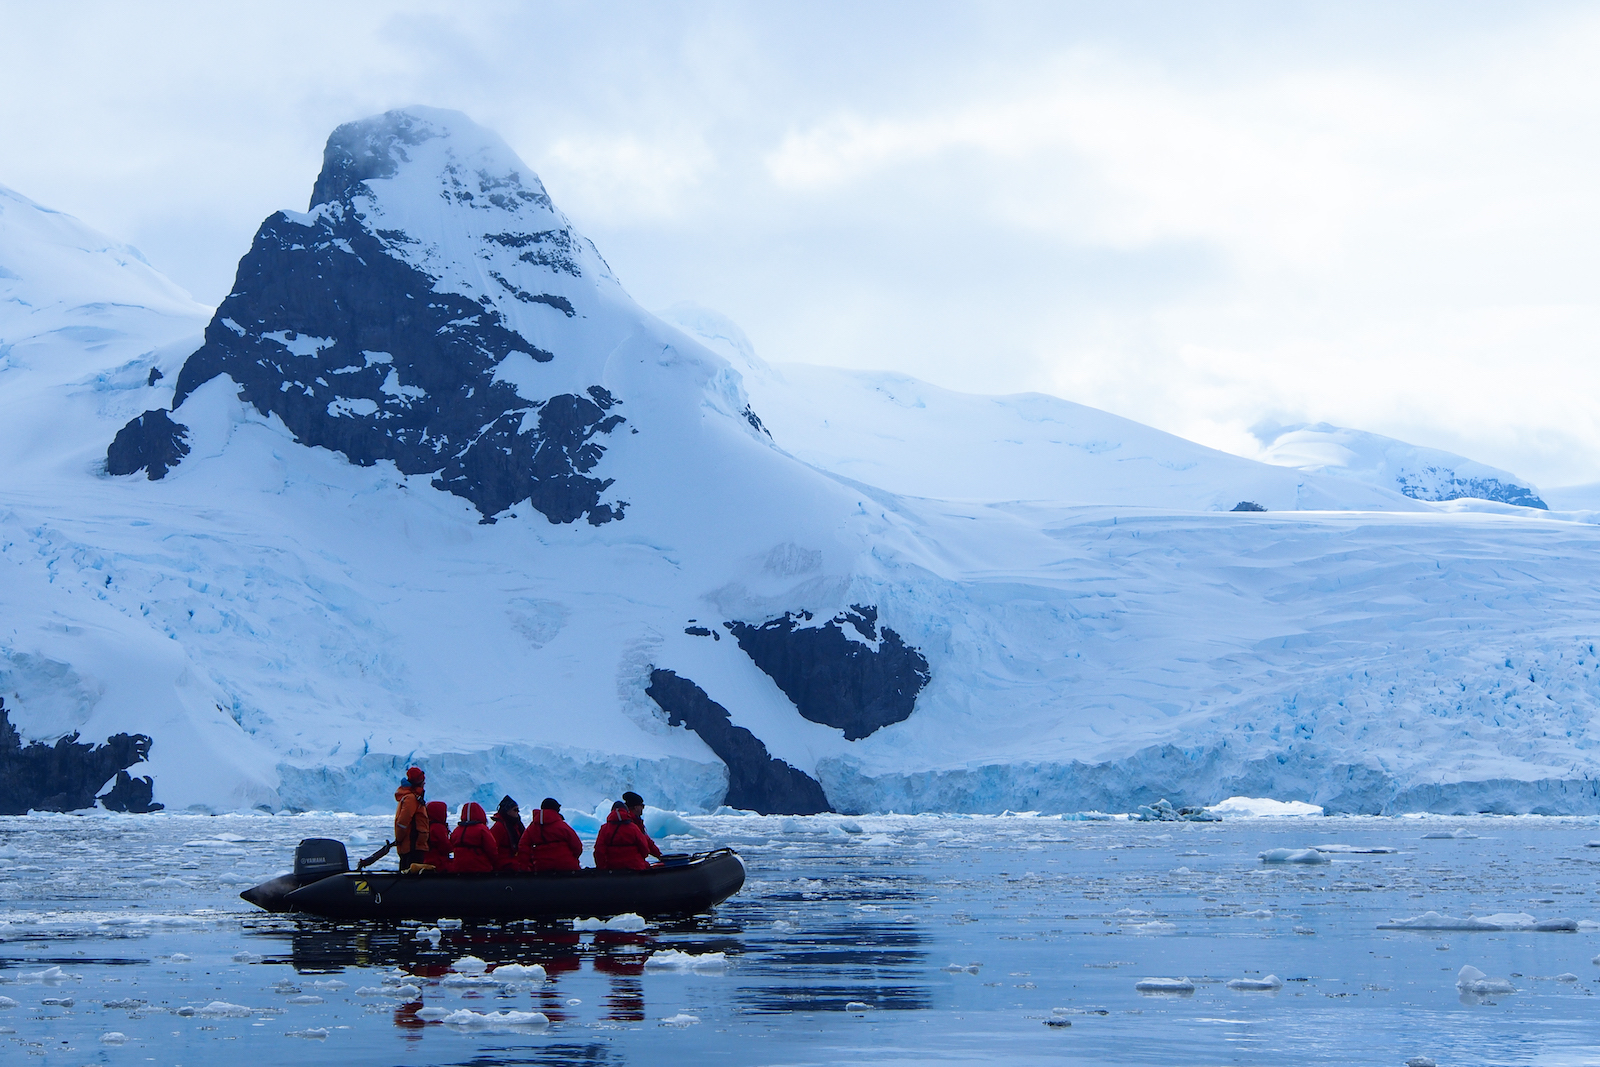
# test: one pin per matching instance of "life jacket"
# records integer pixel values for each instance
(475, 850)
(438, 836)
(550, 843)
(622, 843)
(410, 819)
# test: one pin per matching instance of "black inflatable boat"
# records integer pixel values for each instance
(323, 884)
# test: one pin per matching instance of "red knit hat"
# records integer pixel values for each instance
(415, 775)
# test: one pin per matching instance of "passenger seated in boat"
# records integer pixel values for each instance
(622, 843)
(438, 854)
(507, 831)
(475, 850)
(549, 844)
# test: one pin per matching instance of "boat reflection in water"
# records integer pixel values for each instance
(772, 971)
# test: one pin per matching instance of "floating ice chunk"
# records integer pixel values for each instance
(1422, 1061)
(246, 957)
(113, 1037)
(1505, 920)
(404, 992)
(305, 998)
(1294, 855)
(627, 923)
(1259, 913)
(1450, 835)
(680, 1019)
(783, 927)
(433, 1015)
(449, 924)
(573, 1002)
(429, 933)
(957, 968)
(1356, 850)
(1471, 980)
(1593, 844)
(1262, 808)
(1305, 930)
(1164, 985)
(49, 976)
(460, 980)
(1566, 976)
(469, 965)
(129, 1003)
(1129, 912)
(314, 1033)
(673, 960)
(850, 826)
(7, 1002)
(1271, 983)
(328, 983)
(57, 1002)
(179, 957)
(519, 972)
(497, 1020)
(659, 823)
(371, 991)
(221, 1009)
(1155, 926)
(857, 1005)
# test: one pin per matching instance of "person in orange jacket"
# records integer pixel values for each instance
(410, 819)
(475, 850)
(548, 843)
(438, 854)
(622, 843)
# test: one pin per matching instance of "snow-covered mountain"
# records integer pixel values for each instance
(431, 487)
(1419, 473)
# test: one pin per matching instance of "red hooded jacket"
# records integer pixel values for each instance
(507, 833)
(476, 852)
(438, 836)
(549, 843)
(622, 844)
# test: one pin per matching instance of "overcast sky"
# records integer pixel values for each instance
(1200, 216)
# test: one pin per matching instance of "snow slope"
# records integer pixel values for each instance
(362, 562)
(1420, 473)
(916, 439)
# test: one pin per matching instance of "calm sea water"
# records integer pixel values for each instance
(919, 939)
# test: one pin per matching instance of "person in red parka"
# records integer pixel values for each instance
(438, 854)
(475, 850)
(507, 831)
(548, 843)
(622, 844)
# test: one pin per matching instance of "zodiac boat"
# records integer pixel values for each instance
(323, 884)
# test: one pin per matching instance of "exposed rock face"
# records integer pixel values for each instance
(756, 780)
(66, 775)
(1442, 483)
(152, 443)
(856, 680)
(131, 794)
(384, 344)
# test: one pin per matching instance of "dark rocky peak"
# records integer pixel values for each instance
(846, 672)
(434, 310)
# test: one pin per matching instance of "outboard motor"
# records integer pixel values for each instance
(316, 858)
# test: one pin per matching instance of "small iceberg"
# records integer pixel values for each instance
(1432, 920)
(1293, 855)
(680, 1019)
(626, 923)
(673, 960)
(1270, 984)
(1263, 808)
(1450, 835)
(467, 1019)
(1475, 982)
(518, 972)
(1164, 985)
